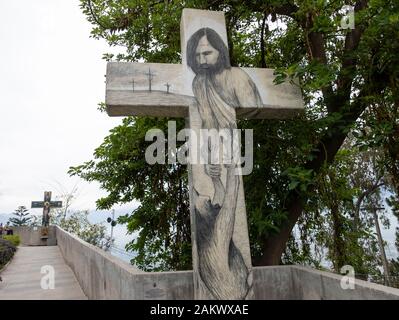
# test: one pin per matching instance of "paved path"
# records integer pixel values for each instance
(22, 277)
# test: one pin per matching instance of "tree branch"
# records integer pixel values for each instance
(317, 51)
(345, 77)
(262, 42)
(274, 245)
(288, 9)
(94, 16)
(366, 194)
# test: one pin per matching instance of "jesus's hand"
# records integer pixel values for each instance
(214, 170)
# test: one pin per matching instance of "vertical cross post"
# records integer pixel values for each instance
(221, 253)
(167, 87)
(150, 77)
(46, 209)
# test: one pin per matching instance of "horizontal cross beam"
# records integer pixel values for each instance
(41, 204)
(169, 92)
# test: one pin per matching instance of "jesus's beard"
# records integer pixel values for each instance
(210, 69)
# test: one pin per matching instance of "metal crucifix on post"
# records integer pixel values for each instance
(211, 93)
(46, 204)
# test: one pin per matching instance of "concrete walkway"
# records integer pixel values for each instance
(22, 278)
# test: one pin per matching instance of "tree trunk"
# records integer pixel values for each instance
(275, 244)
(338, 255)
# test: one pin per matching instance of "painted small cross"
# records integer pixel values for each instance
(167, 85)
(150, 78)
(46, 204)
(132, 82)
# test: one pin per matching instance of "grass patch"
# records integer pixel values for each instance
(14, 239)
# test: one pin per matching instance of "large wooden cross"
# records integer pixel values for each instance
(46, 204)
(211, 94)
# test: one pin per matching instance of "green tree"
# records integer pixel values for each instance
(394, 272)
(79, 224)
(345, 75)
(333, 228)
(394, 264)
(21, 217)
(162, 219)
(36, 221)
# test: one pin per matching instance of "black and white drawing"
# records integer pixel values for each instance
(208, 93)
(219, 89)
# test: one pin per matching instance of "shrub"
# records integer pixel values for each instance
(7, 250)
(14, 239)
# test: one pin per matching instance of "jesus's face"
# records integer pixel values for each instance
(206, 55)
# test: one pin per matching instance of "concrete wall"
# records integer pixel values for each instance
(32, 236)
(274, 283)
(103, 276)
(310, 284)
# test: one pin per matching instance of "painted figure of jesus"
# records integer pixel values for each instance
(219, 89)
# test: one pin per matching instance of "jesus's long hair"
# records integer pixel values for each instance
(215, 41)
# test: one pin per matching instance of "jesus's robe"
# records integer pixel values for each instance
(221, 265)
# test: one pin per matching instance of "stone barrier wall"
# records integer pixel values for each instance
(311, 284)
(103, 276)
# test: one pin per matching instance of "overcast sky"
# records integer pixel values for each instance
(51, 80)
(52, 77)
